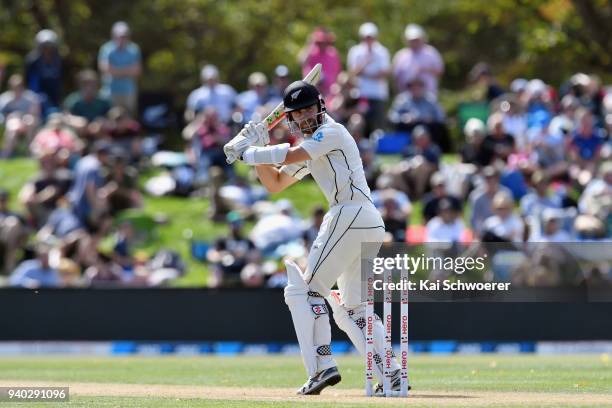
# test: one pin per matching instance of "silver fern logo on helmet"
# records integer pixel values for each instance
(295, 94)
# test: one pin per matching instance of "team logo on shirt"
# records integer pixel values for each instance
(318, 137)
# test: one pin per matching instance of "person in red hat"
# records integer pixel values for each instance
(320, 49)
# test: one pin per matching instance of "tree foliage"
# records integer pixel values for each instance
(534, 38)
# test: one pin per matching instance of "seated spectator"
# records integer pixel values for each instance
(552, 230)
(231, 255)
(344, 103)
(475, 132)
(539, 198)
(121, 188)
(503, 225)
(498, 144)
(482, 76)
(586, 142)
(276, 228)
(395, 218)
(12, 234)
(596, 199)
(415, 107)
(395, 207)
(44, 71)
(103, 273)
(515, 121)
(320, 49)
(447, 225)
(431, 200)
(281, 81)
(371, 166)
(422, 160)
(207, 134)
(36, 273)
(122, 251)
(87, 102)
(212, 93)
(120, 63)
(124, 132)
(84, 194)
(257, 95)
(55, 136)
(481, 198)
(20, 112)
(41, 194)
(538, 102)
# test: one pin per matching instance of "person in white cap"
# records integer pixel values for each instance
(119, 61)
(417, 59)
(44, 70)
(212, 93)
(369, 62)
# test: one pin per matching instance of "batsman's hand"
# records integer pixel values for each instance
(252, 134)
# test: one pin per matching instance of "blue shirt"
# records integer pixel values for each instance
(31, 272)
(587, 146)
(87, 170)
(221, 97)
(119, 58)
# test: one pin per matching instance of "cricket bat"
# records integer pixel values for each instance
(278, 114)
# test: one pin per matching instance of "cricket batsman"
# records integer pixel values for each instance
(329, 153)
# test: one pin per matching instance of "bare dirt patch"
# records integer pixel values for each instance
(353, 396)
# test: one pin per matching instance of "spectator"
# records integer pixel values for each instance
(281, 81)
(257, 95)
(121, 188)
(276, 228)
(20, 109)
(41, 194)
(44, 71)
(220, 96)
(207, 134)
(475, 132)
(596, 199)
(498, 144)
(345, 105)
(539, 199)
(415, 107)
(36, 273)
(124, 132)
(515, 122)
(423, 160)
(369, 62)
(482, 76)
(119, 61)
(230, 256)
(552, 230)
(84, 194)
(55, 136)
(447, 226)
(481, 198)
(320, 50)
(122, 248)
(12, 234)
(503, 225)
(418, 59)
(87, 102)
(395, 207)
(431, 201)
(586, 142)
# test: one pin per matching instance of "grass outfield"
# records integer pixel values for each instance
(270, 381)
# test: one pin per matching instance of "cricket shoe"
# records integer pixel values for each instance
(396, 383)
(315, 385)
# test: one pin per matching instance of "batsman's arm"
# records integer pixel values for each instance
(273, 179)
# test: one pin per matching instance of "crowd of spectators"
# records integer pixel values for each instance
(538, 168)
